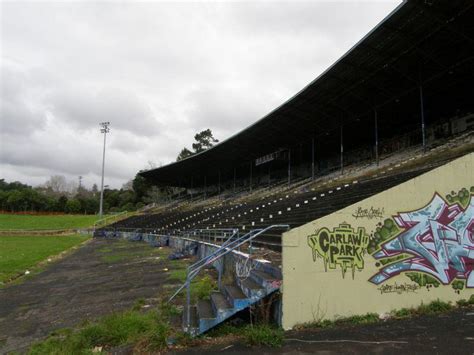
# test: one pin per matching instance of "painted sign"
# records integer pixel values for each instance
(343, 247)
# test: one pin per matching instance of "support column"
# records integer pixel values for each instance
(312, 158)
(251, 163)
(234, 178)
(289, 166)
(342, 149)
(422, 114)
(376, 137)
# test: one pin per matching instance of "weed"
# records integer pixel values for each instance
(402, 313)
(462, 303)
(139, 303)
(224, 329)
(471, 299)
(178, 275)
(147, 329)
(434, 307)
(201, 288)
(263, 334)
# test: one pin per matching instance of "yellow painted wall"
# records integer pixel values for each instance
(311, 293)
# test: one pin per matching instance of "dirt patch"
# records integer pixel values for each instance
(101, 277)
(448, 333)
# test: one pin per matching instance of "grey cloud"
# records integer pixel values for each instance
(85, 109)
(159, 71)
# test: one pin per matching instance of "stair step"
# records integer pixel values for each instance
(206, 315)
(269, 282)
(236, 296)
(251, 289)
(219, 302)
(204, 310)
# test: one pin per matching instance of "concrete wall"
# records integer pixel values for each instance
(410, 244)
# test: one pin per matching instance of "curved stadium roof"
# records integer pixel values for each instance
(427, 42)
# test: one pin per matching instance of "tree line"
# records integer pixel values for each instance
(60, 196)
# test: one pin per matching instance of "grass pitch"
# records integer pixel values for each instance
(48, 222)
(21, 253)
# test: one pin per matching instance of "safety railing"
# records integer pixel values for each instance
(109, 219)
(230, 245)
(210, 235)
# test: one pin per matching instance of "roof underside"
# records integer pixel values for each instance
(427, 42)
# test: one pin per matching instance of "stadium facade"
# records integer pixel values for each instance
(354, 196)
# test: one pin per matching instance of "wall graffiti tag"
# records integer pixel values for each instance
(436, 240)
(399, 288)
(243, 267)
(369, 213)
(343, 247)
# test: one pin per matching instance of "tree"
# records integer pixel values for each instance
(73, 206)
(204, 140)
(140, 187)
(56, 183)
(185, 152)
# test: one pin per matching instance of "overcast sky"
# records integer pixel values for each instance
(158, 71)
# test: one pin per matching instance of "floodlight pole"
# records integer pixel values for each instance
(105, 129)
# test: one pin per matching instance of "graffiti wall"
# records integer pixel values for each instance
(410, 244)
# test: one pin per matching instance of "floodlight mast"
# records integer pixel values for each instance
(104, 129)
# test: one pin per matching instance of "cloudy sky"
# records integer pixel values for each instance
(158, 71)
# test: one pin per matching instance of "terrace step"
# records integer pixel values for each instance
(236, 297)
(250, 288)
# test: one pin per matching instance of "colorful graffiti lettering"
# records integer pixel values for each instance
(342, 247)
(437, 240)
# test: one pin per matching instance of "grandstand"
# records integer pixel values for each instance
(397, 105)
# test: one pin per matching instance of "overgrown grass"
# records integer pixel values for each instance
(21, 253)
(39, 222)
(252, 335)
(129, 253)
(263, 335)
(147, 331)
(434, 307)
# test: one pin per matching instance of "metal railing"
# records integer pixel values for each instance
(230, 245)
(112, 218)
(210, 235)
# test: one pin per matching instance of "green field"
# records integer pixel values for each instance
(21, 253)
(32, 222)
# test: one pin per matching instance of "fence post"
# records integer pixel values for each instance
(188, 303)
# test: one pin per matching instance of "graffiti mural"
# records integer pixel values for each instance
(343, 247)
(436, 241)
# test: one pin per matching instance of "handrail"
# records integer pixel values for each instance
(105, 219)
(188, 269)
(223, 250)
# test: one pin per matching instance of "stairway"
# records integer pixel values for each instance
(233, 298)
